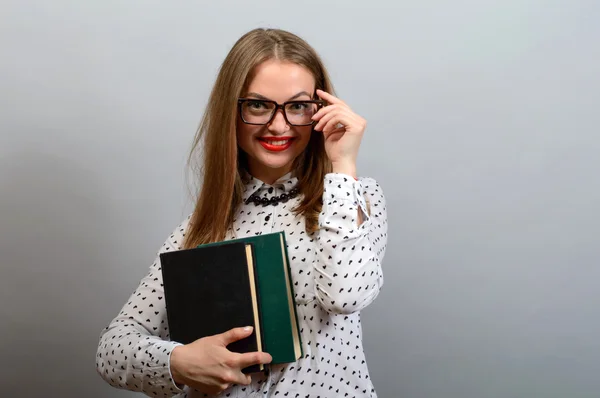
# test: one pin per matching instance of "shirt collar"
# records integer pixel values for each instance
(253, 185)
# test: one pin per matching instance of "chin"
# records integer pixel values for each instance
(275, 164)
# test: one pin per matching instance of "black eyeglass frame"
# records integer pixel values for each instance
(278, 106)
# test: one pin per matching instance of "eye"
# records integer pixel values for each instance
(256, 105)
(299, 106)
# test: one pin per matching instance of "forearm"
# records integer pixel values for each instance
(129, 357)
(134, 351)
(348, 273)
(348, 169)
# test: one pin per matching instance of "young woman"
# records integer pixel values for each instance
(279, 154)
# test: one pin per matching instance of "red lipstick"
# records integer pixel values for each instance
(276, 144)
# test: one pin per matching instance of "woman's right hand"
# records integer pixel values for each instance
(208, 366)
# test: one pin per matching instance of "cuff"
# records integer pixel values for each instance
(345, 188)
(343, 195)
(158, 369)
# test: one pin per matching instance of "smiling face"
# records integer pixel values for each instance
(272, 148)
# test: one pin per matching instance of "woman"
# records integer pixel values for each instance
(279, 154)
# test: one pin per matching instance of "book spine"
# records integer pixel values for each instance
(291, 284)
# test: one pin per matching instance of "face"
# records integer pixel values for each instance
(272, 148)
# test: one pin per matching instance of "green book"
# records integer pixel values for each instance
(278, 317)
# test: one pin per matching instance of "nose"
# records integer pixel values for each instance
(278, 125)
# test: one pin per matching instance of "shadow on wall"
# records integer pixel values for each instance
(54, 223)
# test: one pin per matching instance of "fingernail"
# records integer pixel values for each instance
(248, 328)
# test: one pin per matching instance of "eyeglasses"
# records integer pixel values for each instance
(296, 113)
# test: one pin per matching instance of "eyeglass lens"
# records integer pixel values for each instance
(260, 112)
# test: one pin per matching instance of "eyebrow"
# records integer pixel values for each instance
(262, 97)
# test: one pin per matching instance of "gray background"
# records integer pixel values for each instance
(483, 130)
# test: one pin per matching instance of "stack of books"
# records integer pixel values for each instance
(219, 286)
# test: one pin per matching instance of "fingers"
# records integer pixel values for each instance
(329, 98)
(245, 379)
(326, 117)
(234, 335)
(331, 122)
(253, 358)
(329, 116)
(235, 376)
(237, 362)
(327, 110)
(335, 105)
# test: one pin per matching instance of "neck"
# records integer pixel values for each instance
(268, 175)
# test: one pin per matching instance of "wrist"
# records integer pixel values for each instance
(174, 364)
(348, 168)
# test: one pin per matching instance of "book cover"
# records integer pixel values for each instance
(281, 334)
(210, 290)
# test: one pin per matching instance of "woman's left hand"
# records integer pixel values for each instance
(343, 130)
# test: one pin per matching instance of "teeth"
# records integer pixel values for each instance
(279, 143)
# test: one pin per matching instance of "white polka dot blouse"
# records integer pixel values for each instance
(336, 272)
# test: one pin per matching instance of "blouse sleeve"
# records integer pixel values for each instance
(348, 273)
(134, 351)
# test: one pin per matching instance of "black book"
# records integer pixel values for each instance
(210, 290)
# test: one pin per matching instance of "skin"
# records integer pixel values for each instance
(206, 364)
(282, 81)
(276, 81)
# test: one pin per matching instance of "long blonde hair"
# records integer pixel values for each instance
(221, 171)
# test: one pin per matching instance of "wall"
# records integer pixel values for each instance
(483, 130)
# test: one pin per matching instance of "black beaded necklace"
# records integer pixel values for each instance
(284, 197)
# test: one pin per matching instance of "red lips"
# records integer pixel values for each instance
(276, 144)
